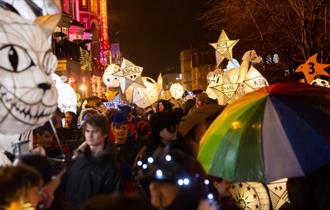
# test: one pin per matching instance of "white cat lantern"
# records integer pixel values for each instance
(28, 97)
(67, 97)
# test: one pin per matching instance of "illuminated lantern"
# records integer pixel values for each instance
(131, 74)
(236, 82)
(28, 10)
(320, 82)
(212, 79)
(224, 47)
(250, 195)
(109, 79)
(160, 81)
(67, 97)
(176, 90)
(278, 193)
(254, 80)
(28, 98)
(143, 97)
(311, 68)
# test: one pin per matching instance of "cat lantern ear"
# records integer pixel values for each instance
(48, 23)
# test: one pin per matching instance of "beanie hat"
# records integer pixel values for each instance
(119, 117)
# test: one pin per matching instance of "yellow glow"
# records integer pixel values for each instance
(82, 87)
(236, 124)
(94, 5)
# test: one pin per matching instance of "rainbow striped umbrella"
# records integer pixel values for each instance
(282, 130)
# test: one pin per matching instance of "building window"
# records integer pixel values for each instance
(83, 4)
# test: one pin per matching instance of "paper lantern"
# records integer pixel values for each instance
(28, 97)
(254, 80)
(109, 79)
(311, 68)
(212, 79)
(278, 193)
(176, 90)
(131, 75)
(67, 97)
(250, 195)
(320, 82)
(160, 81)
(165, 94)
(236, 82)
(35, 8)
(143, 97)
(224, 47)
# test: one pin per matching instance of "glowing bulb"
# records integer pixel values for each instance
(144, 166)
(180, 182)
(210, 196)
(139, 163)
(206, 181)
(150, 160)
(186, 181)
(159, 173)
(168, 158)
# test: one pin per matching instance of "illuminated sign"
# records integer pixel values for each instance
(104, 27)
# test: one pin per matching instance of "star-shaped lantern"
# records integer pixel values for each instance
(311, 68)
(224, 47)
(131, 73)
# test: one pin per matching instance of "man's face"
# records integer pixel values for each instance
(94, 135)
(120, 132)
(45, 138)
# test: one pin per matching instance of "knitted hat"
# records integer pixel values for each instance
(119, 117)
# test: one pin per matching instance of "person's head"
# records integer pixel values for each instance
(44, 135)
(119, 127)
(85, 114)
(19, 184)
(70, 119)
(39, 163)
(201, 98)
(109, 112)
(96, 129)
(175, 176)
(101, 107)
(57, 118)
(163, 106)
(222, 186)
(164, 125)
(143, 129)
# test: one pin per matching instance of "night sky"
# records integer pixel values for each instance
(152, 33)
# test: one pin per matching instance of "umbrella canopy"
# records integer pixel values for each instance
(198, 115)
(278, 131)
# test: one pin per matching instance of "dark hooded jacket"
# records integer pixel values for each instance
(90, 176)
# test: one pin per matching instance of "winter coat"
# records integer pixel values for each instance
(91, 176)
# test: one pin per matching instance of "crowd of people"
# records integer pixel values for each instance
(109, 159)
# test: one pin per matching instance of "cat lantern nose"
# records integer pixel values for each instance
(44, 86)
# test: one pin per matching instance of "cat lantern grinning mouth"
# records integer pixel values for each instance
(22, 111)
